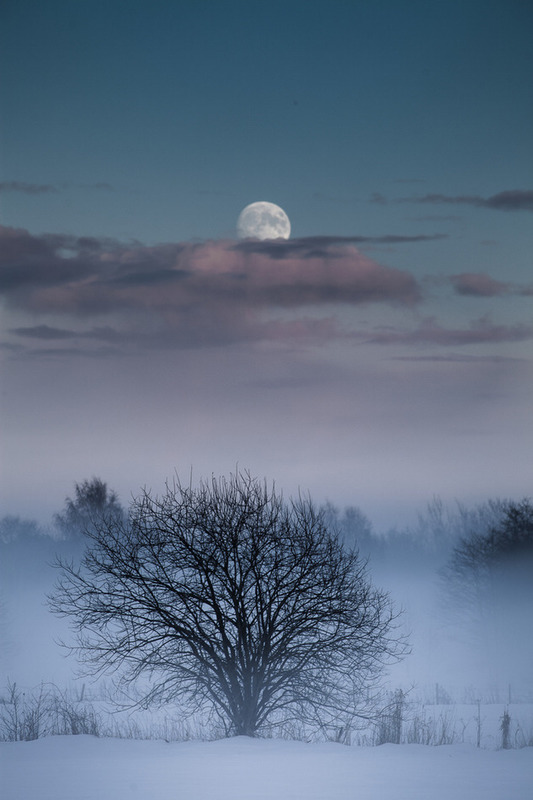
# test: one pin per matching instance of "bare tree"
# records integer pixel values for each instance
(353, 528)
(235, 601)
(488, 585)
(493, 559)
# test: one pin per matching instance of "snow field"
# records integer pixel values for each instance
(89, 768)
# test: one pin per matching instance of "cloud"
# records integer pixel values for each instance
(307, 247)
(28, 262)
(193, 294)
(476, 284)
(461, 358)
(511, 200)
(47, 188)
(437, 218)
(43, 332)
(482, 331)
(48, 333)
(27, 188)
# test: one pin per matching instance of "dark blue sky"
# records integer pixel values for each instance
(404, 363)
(189, 109)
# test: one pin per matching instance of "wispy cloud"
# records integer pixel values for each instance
(510, 200)
(482, 331)
(44, 332)
(50, 188)
(27, 188)
(476, 284)
(437, 218)
(48, 333)
(308, 247)
(460, 358)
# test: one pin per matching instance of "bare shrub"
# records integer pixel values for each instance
(44, 711)
(505, 728)
(390, 721)
(24, 717)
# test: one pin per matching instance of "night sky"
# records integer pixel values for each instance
(380, 356)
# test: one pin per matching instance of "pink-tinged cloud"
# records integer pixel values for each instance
(476, 284)
(482, 331)
(191, 293)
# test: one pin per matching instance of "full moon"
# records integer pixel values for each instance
(263, 220)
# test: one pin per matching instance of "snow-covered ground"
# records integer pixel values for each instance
(89, 768)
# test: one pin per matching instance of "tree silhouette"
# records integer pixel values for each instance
(233, 602)
(488, 583)
(491, 564)
(92, 502)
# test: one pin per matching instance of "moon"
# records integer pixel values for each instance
(263, 220)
